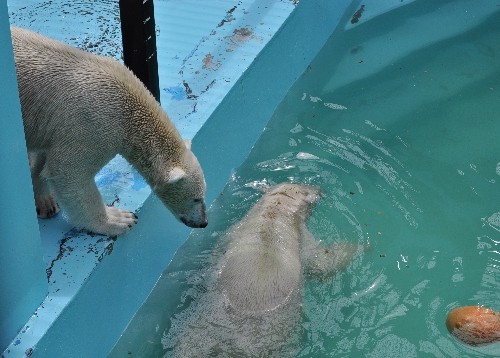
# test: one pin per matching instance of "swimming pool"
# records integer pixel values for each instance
(396, 120)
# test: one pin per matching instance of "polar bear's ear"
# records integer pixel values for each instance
(175, 174)
(187, 142)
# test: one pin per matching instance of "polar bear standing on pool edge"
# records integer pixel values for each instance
(79, 111)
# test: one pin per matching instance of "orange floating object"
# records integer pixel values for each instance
(474, 325)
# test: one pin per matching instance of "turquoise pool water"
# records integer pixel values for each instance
(398, 121)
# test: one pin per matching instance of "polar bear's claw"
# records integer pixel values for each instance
(118, 222)
(46, 206)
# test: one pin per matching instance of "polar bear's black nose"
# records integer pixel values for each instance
(195, 224)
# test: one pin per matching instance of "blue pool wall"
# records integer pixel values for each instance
(225, 140)
(23, 280)
(94, 320)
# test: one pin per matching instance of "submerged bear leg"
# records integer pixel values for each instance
(322, 261)
(46, 205)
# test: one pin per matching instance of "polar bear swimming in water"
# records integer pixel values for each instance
(255, 301)
(79, 111)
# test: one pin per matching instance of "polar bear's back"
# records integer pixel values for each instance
(262, 268)
(64, 89)
(259, 277)
(37, 55)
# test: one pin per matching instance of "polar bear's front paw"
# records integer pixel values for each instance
(46, 206)
(118, 221)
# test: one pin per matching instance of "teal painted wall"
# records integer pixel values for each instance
(23, 283)
(225, 140)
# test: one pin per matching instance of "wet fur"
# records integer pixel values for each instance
(253, 300)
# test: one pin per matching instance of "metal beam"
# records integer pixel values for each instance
(139, 42)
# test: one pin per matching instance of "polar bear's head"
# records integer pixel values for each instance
(183, 191)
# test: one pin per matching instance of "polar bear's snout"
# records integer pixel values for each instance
(196, 217)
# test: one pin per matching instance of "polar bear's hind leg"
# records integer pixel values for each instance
(322, 261)
(46, 205)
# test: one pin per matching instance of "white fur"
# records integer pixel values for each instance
(262, 267)
(254, 303)
(79, 111)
